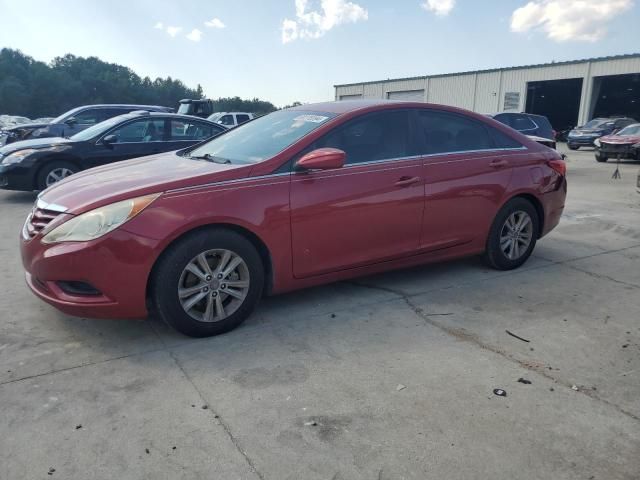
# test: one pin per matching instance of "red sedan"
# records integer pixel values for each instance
(300, 197)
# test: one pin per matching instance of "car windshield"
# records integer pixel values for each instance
(263, 138)
(630, 130)
(62, 117)
(97, 129)
(215, 116)
(184, 108)
(595, 123)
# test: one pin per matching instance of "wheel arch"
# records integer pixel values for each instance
(255, 240)
(48, 160)
(537, 204)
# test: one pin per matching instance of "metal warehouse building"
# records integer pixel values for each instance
(568, 93)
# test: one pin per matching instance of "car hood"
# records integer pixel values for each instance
(35, 143)
(620, 139)
(27, 126)
(133, 178)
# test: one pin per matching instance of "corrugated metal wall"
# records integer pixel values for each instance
(484, 92)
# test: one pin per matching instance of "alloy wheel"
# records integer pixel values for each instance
(516, 235)
(57, 174)
(213, 285)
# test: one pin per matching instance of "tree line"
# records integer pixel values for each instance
(36, 89)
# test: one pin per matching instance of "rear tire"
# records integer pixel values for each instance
(513, 235)
(53, 172)
(191, 289)
(573, 147)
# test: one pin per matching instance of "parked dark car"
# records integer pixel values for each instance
(38, 164)
(586, 135)
(623, 144)
(202, 108)
(74, 121)
(300, 197)
(527, 124)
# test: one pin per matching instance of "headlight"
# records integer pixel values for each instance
(17, 157)
(98, 222)
(596, 142)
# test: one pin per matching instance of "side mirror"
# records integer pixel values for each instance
(71, 121)
(110, 139)
(322, 159)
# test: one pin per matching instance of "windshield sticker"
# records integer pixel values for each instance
(311, 118)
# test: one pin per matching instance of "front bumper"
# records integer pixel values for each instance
(613, 150)
(117, 266)
(16, 177)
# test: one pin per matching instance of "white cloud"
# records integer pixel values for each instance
(310, 24)
(441, 8)
(195, 35)
(215, 23)
(159, 26)
(563, 20)
(173, 31)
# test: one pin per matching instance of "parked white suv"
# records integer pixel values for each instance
(230, 119)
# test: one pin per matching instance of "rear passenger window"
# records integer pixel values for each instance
(445, 132)
(242, 118)
(502, 140)
(378, 136)
(520, 122)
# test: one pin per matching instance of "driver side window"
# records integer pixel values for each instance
(139, 131)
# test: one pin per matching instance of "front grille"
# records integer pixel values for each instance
(38, 220)
(614, 148)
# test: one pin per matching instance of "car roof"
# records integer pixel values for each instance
(177, 116)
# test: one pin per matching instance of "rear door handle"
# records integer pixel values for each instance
(499, 163)
(406, 181)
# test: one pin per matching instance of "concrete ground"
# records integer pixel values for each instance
(386, 377)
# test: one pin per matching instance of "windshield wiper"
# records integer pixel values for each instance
(210, 158)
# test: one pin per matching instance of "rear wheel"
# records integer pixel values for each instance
(208, 283)
(573, 147)
(513, 235)
(54, 172)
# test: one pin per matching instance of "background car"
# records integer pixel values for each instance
(527, 124)
(38, 164)
(586, 135)
(74, 121)
(623, 144)
(231, 119)
(296, 198)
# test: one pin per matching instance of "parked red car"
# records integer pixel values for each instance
(300, 197)
(623, 144)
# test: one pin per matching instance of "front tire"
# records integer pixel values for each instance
(208, 283)
(573, 147)
(54, 172)
(601, 158)
(513, 235)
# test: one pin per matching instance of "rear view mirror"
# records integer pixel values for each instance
(322, 159)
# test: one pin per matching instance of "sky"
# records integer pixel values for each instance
(296, 50)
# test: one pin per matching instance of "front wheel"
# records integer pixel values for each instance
(573, 147)
(601, 158)
(208, 283)
(513, 235)
(54, 172)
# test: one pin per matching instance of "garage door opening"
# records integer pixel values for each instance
(558, 100)
(616, 95)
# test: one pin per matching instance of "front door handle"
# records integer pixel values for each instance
(499, 163)
(406, 181)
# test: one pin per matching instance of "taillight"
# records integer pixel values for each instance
(559, 166)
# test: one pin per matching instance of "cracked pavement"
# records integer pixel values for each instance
(309, 387)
